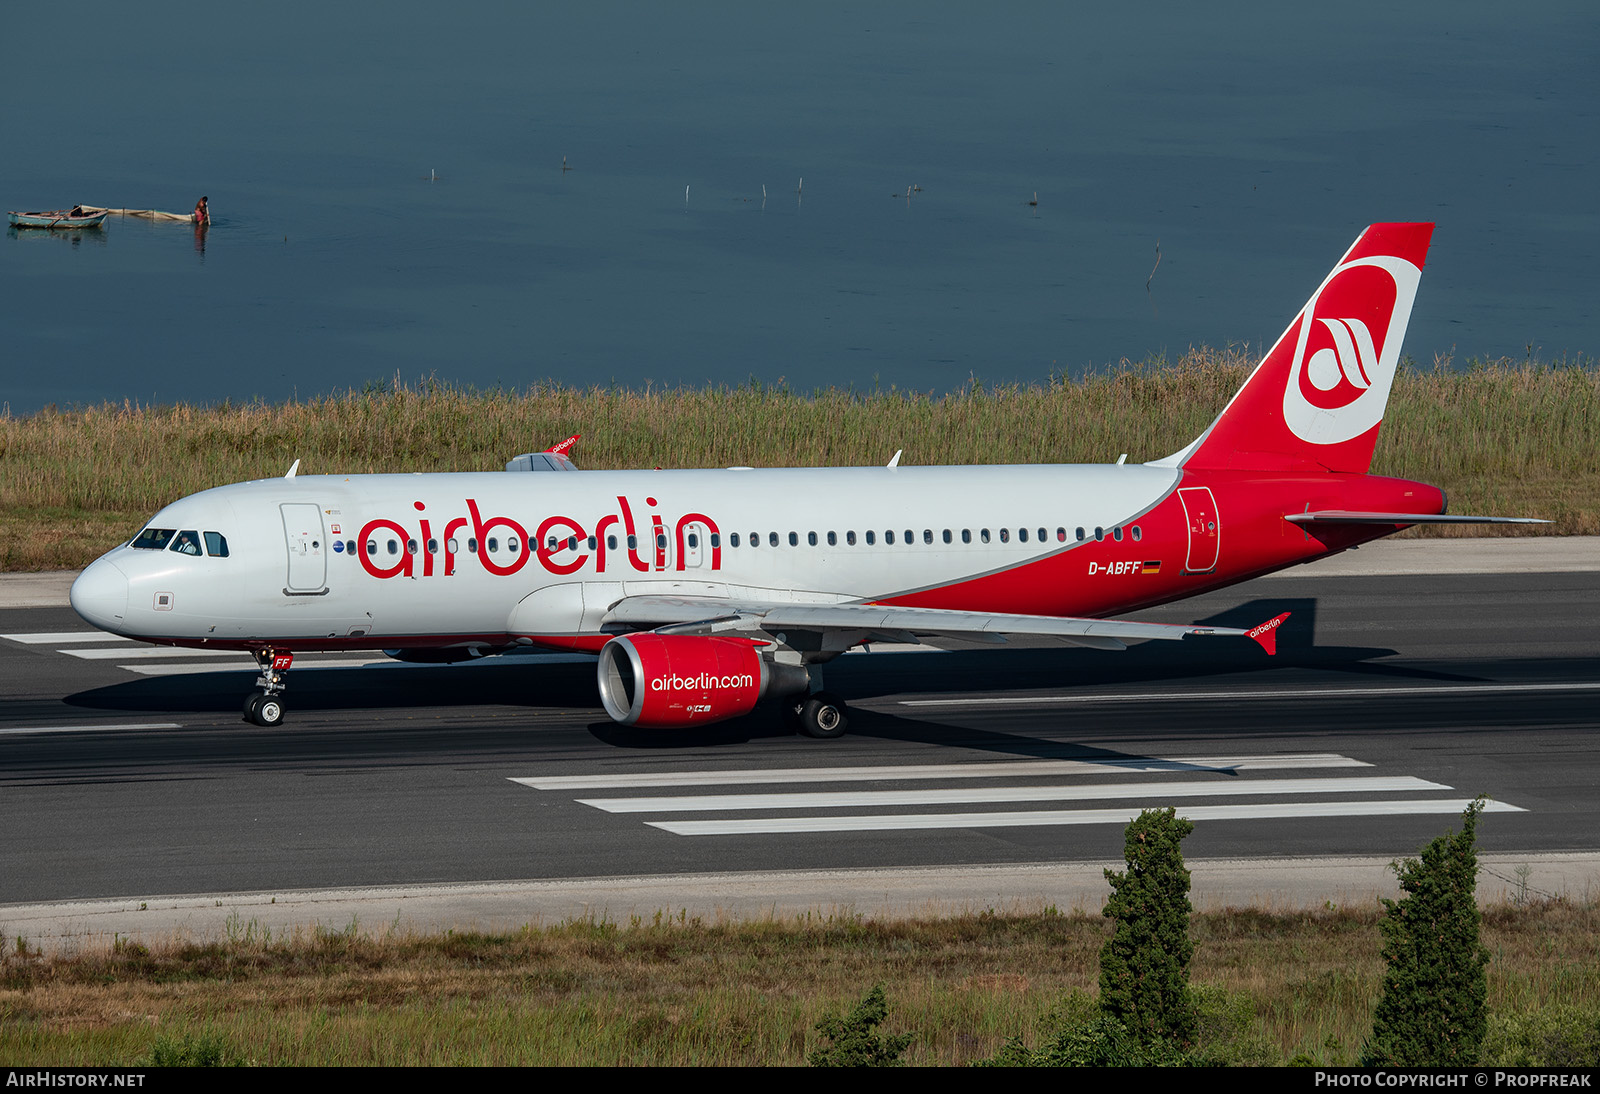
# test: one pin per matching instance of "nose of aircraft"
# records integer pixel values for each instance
(100, 595)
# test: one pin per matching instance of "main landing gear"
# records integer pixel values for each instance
(264, 706)
(819, 714)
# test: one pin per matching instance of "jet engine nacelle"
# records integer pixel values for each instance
(661, 681)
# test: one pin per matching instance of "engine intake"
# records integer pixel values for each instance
(661, 681)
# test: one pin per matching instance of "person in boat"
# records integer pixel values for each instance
(77, 211)
(202, 215)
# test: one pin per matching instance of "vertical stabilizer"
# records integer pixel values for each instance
(1317, 398)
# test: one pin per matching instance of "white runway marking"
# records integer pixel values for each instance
(1052, 818)
(102, 727)
(150, 652)
(968, 795)
(998, 769)
(42, 638)
(1308, 693)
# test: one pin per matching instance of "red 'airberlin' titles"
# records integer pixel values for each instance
(561, 544)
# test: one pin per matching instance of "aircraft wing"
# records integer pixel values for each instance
(880, 623)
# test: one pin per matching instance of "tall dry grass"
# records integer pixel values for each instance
(1272, 987)
(1515, 438)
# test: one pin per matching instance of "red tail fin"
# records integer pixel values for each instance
(1317, 398)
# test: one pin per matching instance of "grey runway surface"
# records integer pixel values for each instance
(126, 771)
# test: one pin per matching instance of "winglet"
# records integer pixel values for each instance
(565, 446)
(1266, 635)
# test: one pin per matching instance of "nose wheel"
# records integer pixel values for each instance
(264, 705)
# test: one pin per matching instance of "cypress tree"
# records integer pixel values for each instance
(1433, 1008)
(1144, 966)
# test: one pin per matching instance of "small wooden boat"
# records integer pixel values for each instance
(58, 218)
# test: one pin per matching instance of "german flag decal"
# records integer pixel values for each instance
(1148, 567)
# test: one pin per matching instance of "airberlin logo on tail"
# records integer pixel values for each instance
(1347, 345)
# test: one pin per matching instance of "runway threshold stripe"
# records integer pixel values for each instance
(1308, 693)
(41, 638)
(998, 769)
(706, 803)
(1056, 818)
(150, 652)
(102, 727)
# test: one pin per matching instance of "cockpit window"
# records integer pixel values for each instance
(153, 539)
(187, 543)
(217, 545)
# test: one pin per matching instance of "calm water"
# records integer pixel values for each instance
(1252, 145)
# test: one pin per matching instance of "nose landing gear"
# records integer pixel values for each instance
(263, 705)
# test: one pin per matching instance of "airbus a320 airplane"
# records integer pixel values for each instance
(705, 591)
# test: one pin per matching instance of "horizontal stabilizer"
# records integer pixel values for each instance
(1349, 516)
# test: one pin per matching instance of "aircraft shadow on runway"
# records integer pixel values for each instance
(982, 669)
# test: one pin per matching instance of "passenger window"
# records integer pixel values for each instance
(372, 546)
(833, 540)
(633, 543)
(1137, 535)
(572, 543)
(1099, 534)
(694, 540)
(1080, 534)
(661, 540)
(794, 539)
(811, 539)
(433, 546)
(772, 538)
(850, 539)
(1005, 535)
(493, 544)
(152, 539)
(1061, 535)
(514, 545)
(888, 537)
(872, 538)
(911, 537)
(611, 543)
(716, 540)
(966, 535)
(592, 542)
(733, 540)
(411, 546)
(1116, 533)
(927, 535)
(187, 543)
(551, 545)
(1042, 536)
(947, 535)
(1022, 535)
(452, 545)
(472, 545)
(983, 534)
(217, 545)
(394, 548)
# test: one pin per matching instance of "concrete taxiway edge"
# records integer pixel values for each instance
(1511, 555)
(1269, 884)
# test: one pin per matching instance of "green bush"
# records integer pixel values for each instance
(853, 1038)
(1554, 1036)
(1433, 1008)
(1144, 966)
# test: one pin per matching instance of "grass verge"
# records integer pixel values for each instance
(1274, 988)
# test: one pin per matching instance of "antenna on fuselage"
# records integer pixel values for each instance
(896, 461)
(292, 469)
